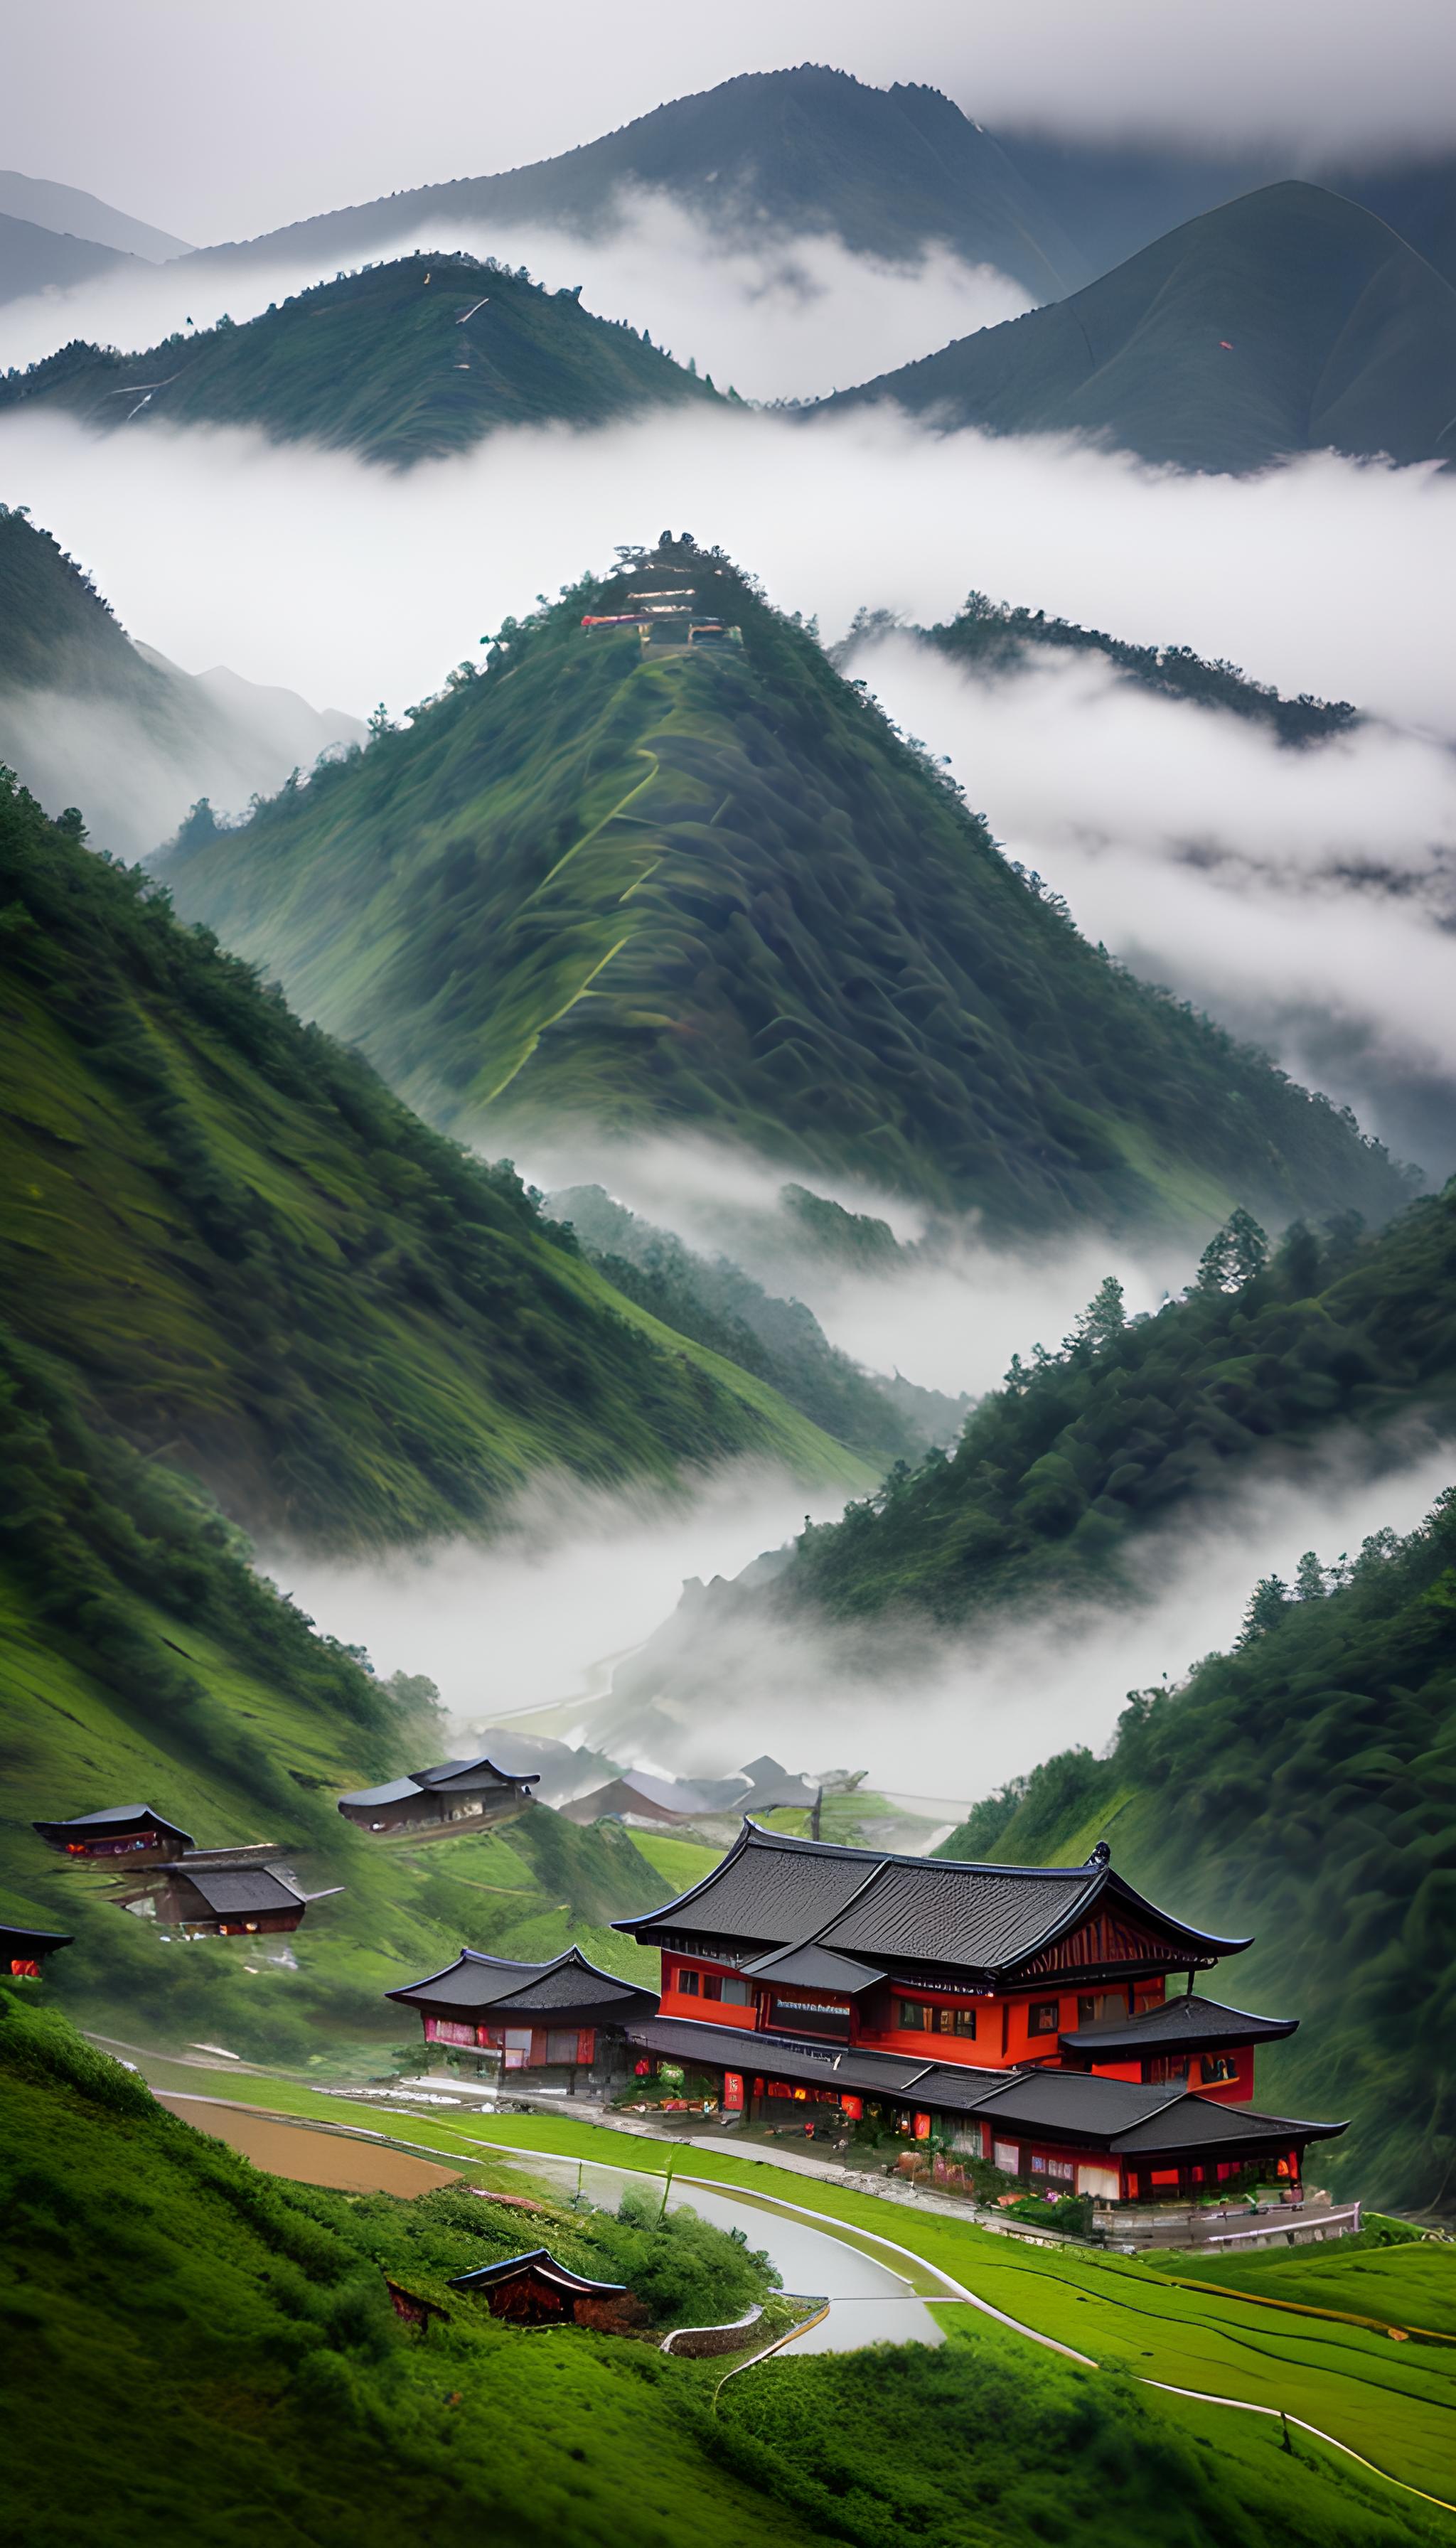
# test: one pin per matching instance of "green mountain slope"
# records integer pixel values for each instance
(672, 888)
(1288, 321)
(1301, 1787)
(259, 1264)
(1128, 1422)
(250, 2316)
(889, 171)
(716, 1301)
(404, 362)
(141, 1657)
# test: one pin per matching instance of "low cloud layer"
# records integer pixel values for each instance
(789, 318)
(349, 584)
(1305, 897)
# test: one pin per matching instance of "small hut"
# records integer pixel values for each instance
(135, 1833)
(533, 2290)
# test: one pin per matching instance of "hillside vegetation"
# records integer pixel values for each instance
(404, 362)
(1302, 1787)
(141, 1657)
(1290, 321)
(718, 891)
(251, 2316)
(889, 171)
(993, 637)
(1130, 1421)
(258, 1264)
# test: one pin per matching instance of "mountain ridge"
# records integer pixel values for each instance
(1288, 320)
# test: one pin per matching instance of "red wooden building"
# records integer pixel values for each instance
(241, 1893)
(533, 2290)
(138, 1834)
(1026, 2013)
(557, 2016)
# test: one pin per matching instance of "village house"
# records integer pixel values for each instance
(533, 2290)
(454, 1791)
(237, 1892)
(1043, 2019)
(138, 1833)
(562, 2016)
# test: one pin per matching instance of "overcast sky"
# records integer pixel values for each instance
(218, 120)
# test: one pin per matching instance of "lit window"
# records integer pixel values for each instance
(1214, 2069)
(1043, 2017)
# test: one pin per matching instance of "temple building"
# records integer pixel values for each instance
(136, 1833)
(237, 1892)
(559, 2016)
(454, 1791)
(1022, 2013)
(23, 1950)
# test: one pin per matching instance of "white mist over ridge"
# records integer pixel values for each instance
(781, 317)
(1305, 897)
(351, 582)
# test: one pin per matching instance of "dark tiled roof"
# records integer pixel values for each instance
(32, 1942)
(535, 2260)
(1202, 2123)
(775, 2056)
(229, 1890)
(481, 1771)
(393, 1793)
(771, 1891)
(114, 1818)
(1074, 2102)
(476, 1982)
(1190, 2022)
(815, 1969)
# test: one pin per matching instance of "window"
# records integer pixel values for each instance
(1214, 2069)
(1101, 2006)
(913, 2017)
(1043, 2017)
(1165, 2070)
(1007, 2156)
(712, 1985)
(955, 2021)
(738, 1994)
(687, 1981)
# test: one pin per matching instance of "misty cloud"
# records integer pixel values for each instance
(1305, 897)
(785, 319)
(218, 124)
(352, 584)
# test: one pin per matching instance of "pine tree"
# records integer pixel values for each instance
(1105, 1316)
(1309, 1577)
(1231, 1258)
(1266, 1607)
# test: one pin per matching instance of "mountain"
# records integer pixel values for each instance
(667, 888)
(35, 260)
(256, 1264)
(404, 362)
(716, 1301)
(71, 210)
(1301, 1787)
(1290, 321)
(889, 171)
(84, 711)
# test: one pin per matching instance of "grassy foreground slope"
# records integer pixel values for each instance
(259, 1264)
(1290, 321)
(1130, 1421)
(1302, 1787)
(249, 2315)
(406, 361)
(719, 892)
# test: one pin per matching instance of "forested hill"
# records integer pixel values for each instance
(404, 362)
(57, 633)
(993, 637)
(1130, 1421)
(718, 891)
(1302, 1787)
(258, 1265)
(1290, 321)
(889, 171)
